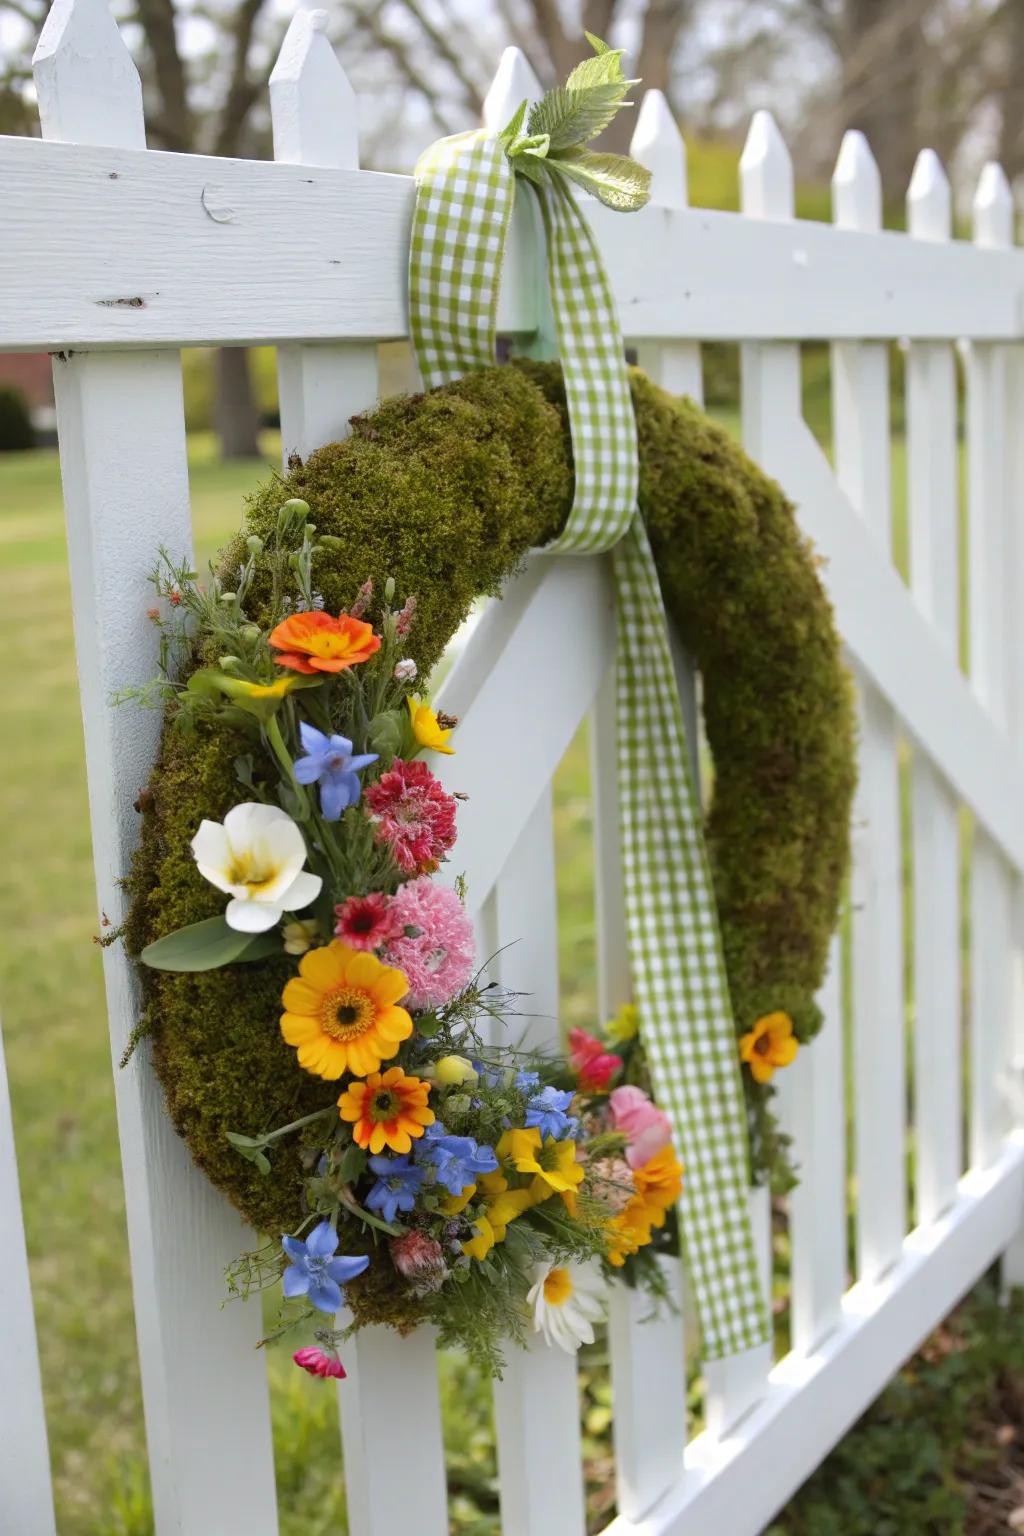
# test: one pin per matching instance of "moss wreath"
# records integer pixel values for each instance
(447, 492)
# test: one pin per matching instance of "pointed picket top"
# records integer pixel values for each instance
(856, 185)
(766, 171)
(658, 145)
(993, 208)
(312, 104)
(929, 202)
(88, 88)
(514, 82)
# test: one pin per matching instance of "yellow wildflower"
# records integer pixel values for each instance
(426, 729)
(770, 1044)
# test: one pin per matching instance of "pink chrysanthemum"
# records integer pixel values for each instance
(317, 1363)
(414, 816)
(366, 922)
(436, 949)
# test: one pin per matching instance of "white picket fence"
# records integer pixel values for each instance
(113, 257)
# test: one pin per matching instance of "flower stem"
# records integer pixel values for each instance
(371, 1221)
(296, 1125)
(276, 740)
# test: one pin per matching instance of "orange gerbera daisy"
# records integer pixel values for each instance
(658, 1184)
(341, 1013)
(387, 1109)
(629, 1231)
(315, 642)
(770, 1044)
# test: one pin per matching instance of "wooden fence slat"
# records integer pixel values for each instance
(860, 413)
(313, 111)
(125, 477)
(536, 1406)
(932, 486)
(770, 383)
(658, 144)
(392, 1387)
(989, 574)
(648, 1352)
(811, 1092)
(26, 1498)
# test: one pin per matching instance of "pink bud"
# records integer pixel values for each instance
(317, 1363)
(420, 1259)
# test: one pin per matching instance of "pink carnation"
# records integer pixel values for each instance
(594, 1066)
(436, 951)
(366, 922)
(317, 1363)
(646, 1127)
(413, 815)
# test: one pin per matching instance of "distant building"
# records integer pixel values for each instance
(31, 373)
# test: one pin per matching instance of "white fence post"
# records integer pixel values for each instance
(989, 577)
(125, 478)
(321, 385)
(933, 505)
(860, 405)
(26, 1497)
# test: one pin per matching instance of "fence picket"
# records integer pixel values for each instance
(658, 144)
(314, 115)
(321, 385)
(860, 411)
(648, 1352)
(812, 1096)
(770, 381)
(26, 1498)
(125, 475)
(932, 481)
(536, 1404)
(990, 596)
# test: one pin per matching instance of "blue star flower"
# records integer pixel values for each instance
(329, 763)
(398, 1184)
(457, 1160)
(547, 1111)
(314, 1270)
(526, 1080)
(491, 1077)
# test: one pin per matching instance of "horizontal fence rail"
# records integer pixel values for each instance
(113, 257)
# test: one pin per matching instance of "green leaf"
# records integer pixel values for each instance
(514, 126)
(605, 68)
(384, 732)
(428, 1025)
(238, 1140)
(573, 116)
(260, 947)
(204, 946)
(616, 180)
(244, 769)
(352, 1164)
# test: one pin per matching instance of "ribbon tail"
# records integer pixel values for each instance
(677, 964)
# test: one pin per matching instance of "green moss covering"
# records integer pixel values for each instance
(446, 492)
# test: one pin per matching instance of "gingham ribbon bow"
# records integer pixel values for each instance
(465, 191)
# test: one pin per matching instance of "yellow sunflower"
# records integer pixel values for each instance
(341, 1013)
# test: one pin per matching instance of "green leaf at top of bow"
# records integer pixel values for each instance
(551, 140)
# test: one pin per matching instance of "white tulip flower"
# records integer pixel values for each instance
(566, 1302)
(257, 857)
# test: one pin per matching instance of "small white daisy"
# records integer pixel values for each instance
(565, 1302)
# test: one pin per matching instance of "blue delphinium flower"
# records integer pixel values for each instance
(547, 1111)
(398, 1184)
(457, 1160)
(526, 1080)
(315, 1271)
(329, 763)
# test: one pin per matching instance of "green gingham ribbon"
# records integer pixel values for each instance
(465, 192)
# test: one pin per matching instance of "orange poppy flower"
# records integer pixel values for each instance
(315, 642)
(387, 1109)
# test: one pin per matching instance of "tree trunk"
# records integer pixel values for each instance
(234, 407)
(883, 50)
(1011, 134)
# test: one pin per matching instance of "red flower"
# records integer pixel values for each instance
(414, 816)
(594, 1066)
(317, 1363)
(366, 922)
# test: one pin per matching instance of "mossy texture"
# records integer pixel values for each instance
(447, 492)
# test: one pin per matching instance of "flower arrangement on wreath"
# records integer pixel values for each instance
(493, 1190)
